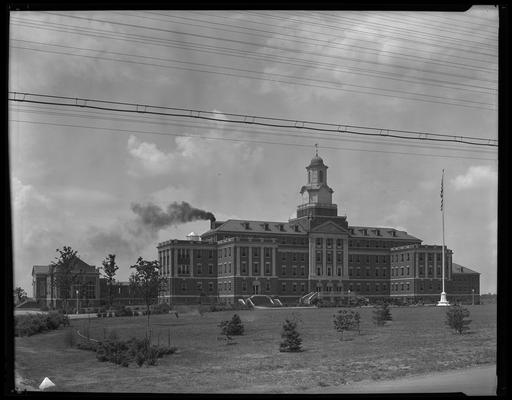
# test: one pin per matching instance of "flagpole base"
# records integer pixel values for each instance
(443, 301)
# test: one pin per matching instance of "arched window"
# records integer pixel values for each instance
(320, 176)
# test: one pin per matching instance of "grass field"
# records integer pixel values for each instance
(416, 341)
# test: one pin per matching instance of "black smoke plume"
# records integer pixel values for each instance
(156, 218)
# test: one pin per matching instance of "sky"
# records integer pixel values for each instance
(77, 173)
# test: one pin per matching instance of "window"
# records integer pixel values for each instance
(210, 253)
(225, 268)
(267, 286)
(283, 270)
(243, 251)
(329, 257)
(329, 271)
(210, 286)
(367, 271)
(294, 287)
(199, 254)
(358, 259)
(402, 271)
(339, 271)
(318, 242)
(350, 258)
(294, 270)
(267, 268)
(377, 259)
(199, 269)
(329, 243)
(302, 257)
(377, 287)
(229, 267)
(244, 267)
(283, 287)
(402, 287)
(225, 286)
(296, 227)
(183, 286)
(376, 272)
(318, 256)
(350, 272)
(255, 252)
(339, 243)
(408, 257)
(408, 270)
(383, 271)
(225, 252)
(302, 287)
(294, 256)
(229, 285)
(210, 269)
(255, 267)
(367, 287)
(199, 286)
(401, 257)
(267, 252)
(283, 256)
(318, 271)
(266, 227)
(302, 270)
(384, 286)
(367, 259)
(244, 286)
(229, 251)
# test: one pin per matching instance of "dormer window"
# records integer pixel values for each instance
(246, 225)
(365, 232)
(296, 228)
(266, 227)
(394, 233)
(377, 231)
(281, 227)
(351, 231)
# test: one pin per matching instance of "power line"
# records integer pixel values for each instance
(191, 46)
(327, 43)
(243, 70)
(208, 37)
(247, 141)
(113, 117)
(367, 33)
(250, 119)
(332, 85)
(455, 86)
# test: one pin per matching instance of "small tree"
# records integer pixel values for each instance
(63, 273)
(233, 327)
(456, 319)
(381, 314)
(148, 282)
(109, 271)
(20, 294)
(292, 341)
(346, 320)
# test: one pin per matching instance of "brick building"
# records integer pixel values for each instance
(87, 285)
(316, 251)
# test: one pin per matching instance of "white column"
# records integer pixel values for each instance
(274, 250)
(262, 258)
(237, 261)
(249, 261)
(192, 262)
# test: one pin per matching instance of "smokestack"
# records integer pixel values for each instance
(155, 218)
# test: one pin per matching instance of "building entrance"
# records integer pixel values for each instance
(256, 288)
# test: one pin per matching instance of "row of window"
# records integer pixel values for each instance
(199, 286)
(329, 254)
(401, 271)
(376, 287)
(356, 258)
(421, 257)
(373, 244)
(357, 272)
(329, 271)
(329, 242)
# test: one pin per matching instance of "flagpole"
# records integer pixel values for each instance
(443, 301)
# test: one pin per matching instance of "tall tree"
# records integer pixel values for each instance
(20, 294)
(64, 274)
(148, 282)
(109, 271)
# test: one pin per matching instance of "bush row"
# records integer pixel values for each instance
(124, 352)
(30, 324)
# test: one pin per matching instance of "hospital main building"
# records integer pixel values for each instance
(317, 251)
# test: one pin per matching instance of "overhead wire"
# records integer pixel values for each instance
(247, 119)
(113, 117)
(165, 42)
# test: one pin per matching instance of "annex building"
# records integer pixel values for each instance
(315, 252)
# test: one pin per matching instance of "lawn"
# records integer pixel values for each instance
(415, 342)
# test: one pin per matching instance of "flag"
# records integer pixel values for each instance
(442, 178)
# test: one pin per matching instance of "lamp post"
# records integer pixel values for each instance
(77, 301)
(473, 297)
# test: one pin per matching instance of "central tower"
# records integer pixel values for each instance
(316, 194)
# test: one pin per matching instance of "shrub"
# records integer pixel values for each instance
(346, 320)
(123, 312)
(27, 325)
(162, 308)
(381, 314)
(233, 327)
(55, 319)
(291, 338)
(87, 345)
(456, 319)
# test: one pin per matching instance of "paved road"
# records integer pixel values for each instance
(478, 381)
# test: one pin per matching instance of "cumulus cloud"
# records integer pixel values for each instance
(475, 177)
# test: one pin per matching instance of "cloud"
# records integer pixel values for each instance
(152, 159)
(403, 213)
(25, 195)
(476, 177)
